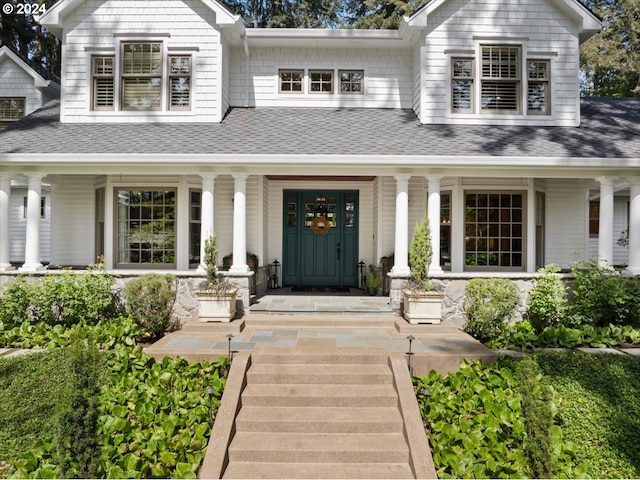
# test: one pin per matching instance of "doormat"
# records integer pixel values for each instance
(321, 289)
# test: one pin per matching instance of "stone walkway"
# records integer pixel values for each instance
(306, 303)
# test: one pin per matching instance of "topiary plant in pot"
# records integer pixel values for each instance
(422, 303)
(217, 300)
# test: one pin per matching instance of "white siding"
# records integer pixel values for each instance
(190, 26)
(15, 82)
(388, 77)
(620, 219)
(388, 216)
(566, 229)
(224, 215)
(73, 221)
(537, 25)
(18, 226)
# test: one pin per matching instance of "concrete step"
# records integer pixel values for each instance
(318, 448)
(319, 374)
(317, 470)
(313, 420)
(313, 320)
(340, 356)
(195, 326)
(320, 395)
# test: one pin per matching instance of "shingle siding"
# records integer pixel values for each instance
(15, 82)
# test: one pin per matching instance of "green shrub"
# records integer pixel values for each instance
(77, 441)
(149, 300)
(15, 296)
(489, 304)
(537, 398)
(69, 298)
(420, 253)
(602, 296)
(547, 301)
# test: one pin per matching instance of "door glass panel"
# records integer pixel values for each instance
(309, 211)
(349, 212)
(292, 211)
(332, 210)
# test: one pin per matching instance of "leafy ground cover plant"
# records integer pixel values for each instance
(489, 304)
(598, 399)
(547, 302)
(154, 419)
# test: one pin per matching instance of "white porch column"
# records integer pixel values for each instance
(634, 228)
(32, 240)
(605, 232)
(240, 224)
(433, 214)
(401, 257)
(207, 223)
(5, 224)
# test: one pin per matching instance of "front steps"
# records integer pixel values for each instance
(330, 413)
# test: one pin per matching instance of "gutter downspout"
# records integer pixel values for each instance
(245, 44)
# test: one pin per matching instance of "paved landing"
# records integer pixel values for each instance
(346, 304)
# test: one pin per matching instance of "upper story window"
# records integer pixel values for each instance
(11, 109)
(500, 79)
(499, 83)
(538, 87)
(291, 81)
(321, 81)
(141, 75)
(351, 81)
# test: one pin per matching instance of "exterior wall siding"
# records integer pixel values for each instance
(15, 82)
(566, 222)
(73, 221)
(388, 77)
(190, 26)
(543, 31)
(18, 226)
(620, 219)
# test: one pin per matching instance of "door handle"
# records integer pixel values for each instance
(338, 252)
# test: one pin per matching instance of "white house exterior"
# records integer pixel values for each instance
(24, 89)
(175, 122)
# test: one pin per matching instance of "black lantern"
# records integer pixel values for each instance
(274, 274)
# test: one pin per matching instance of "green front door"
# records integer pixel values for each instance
(320, 238)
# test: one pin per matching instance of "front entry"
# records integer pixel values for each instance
(320, 238)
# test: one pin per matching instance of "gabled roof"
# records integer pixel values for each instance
(588, 22)
(41, 77)
(607, 138)
(53, 18)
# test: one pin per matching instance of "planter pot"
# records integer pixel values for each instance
(422, 307)
(217, 307)
(372, 291)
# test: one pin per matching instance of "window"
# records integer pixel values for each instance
(462, 85)
(500, 80)
(321, 81)
(141, 75)
(146, 221)
(103, 82)
(538, 87)
(351, 81)
(195, 215)
(42, 205)
(445, 231)
(594, 218)
(291, 81)
(494, 230)
(11, 109)
(179, 82)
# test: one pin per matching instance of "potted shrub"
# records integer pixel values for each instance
(422, 303)
(373, 282)
(217, 300)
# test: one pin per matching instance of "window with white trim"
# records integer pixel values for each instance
(462, 70)
(500, 79)
(538, 87)
(42, 207)
(494, 230)
(103, 71)
(179, 82)
(291, 81)
(11, 108)
(321, 81)
(351, 81)
(141, 86)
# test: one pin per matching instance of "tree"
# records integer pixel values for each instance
(287, 13)
(378, 14)
(610, 59)
(20, 32)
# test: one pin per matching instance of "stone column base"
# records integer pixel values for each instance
(398, 282)
(243, 281)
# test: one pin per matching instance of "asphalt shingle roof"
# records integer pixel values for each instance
(610, 128)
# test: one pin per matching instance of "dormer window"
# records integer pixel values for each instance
(321, 81)
(11, 109)
(146, 77)
(500, 80)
